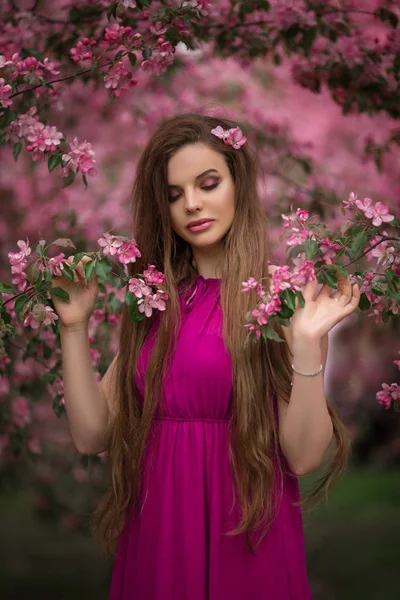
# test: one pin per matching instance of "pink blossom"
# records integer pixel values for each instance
(153, 276)
(138, 287)
(233, 137)
(381, 214)
(112, 320)
(43, 138)
(57, 262)
(388, 394)
(5, 91)
(127, 253)
(351, 200)
(298, 236)
(145, 305)
(25, 251)
(302, 215)
(80, 157)
(20, 412)
(99, 315)
(81, 51)
(110, 244)
(116, 34)
(253, 330)
(34, 320)
(329, 249)
(248, 285)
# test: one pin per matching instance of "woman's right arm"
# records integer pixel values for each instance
(88, 403)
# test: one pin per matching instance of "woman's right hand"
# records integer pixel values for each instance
(82, 294)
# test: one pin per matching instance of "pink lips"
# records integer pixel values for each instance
(201, 227)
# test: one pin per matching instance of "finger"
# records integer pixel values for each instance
(309, 290)
(325, 291)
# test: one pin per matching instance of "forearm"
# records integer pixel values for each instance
(307, 429)
(85, 404)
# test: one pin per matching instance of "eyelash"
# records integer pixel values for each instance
(206, 187)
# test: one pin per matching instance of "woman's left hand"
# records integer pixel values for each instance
(321, 312)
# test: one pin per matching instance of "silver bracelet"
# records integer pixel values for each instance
(306, 374)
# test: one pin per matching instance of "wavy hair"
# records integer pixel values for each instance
(261, 369)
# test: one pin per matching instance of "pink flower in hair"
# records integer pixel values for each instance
(232, 137)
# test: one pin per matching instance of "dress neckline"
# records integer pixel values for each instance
(207, 278)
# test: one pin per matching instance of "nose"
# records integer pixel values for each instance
(192, 201)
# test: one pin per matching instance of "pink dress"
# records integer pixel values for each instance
(175, 548)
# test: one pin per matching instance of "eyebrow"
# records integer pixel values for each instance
(199, 176)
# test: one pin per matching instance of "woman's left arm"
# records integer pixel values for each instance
(305, 426)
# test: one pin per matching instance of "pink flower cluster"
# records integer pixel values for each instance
(141, 288)
(125, 250)
(19, 263)
(270, 303)
(231, 137)
(80, 157)
(81, 51)
(389, 394)
(42, 138)
(28, 67)
(378, 212)
(117, 73)
(5, 91)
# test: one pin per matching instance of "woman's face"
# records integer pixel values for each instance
(194, 195)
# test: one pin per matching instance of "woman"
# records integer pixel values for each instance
(205, 434)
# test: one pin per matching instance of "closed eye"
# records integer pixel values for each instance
(208, 188)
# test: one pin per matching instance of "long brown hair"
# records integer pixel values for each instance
(259, 368)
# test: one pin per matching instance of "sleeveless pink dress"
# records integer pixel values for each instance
(174, 548)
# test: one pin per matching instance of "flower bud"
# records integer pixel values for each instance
(32, 273)
(39, 313)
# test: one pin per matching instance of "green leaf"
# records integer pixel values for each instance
(48, 275)
(290, 298)
(68, 272)
(20, 303)
(134, 313)
(54, 161)
(8, 117)
(89, 269)
(359, 242)
(132, 59)
(364, 303)
(118, 56)
(49, 377)
(385, 14)
(376, 290)
(130, 298)
(60, 293)
(103, 268)
(7, 289)
(112, 11)
(17, 150)
(296, 250)
(310, 248)
(285, 312)
(328, 278)
(271, 334)
(146, 53)
(69, 179)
